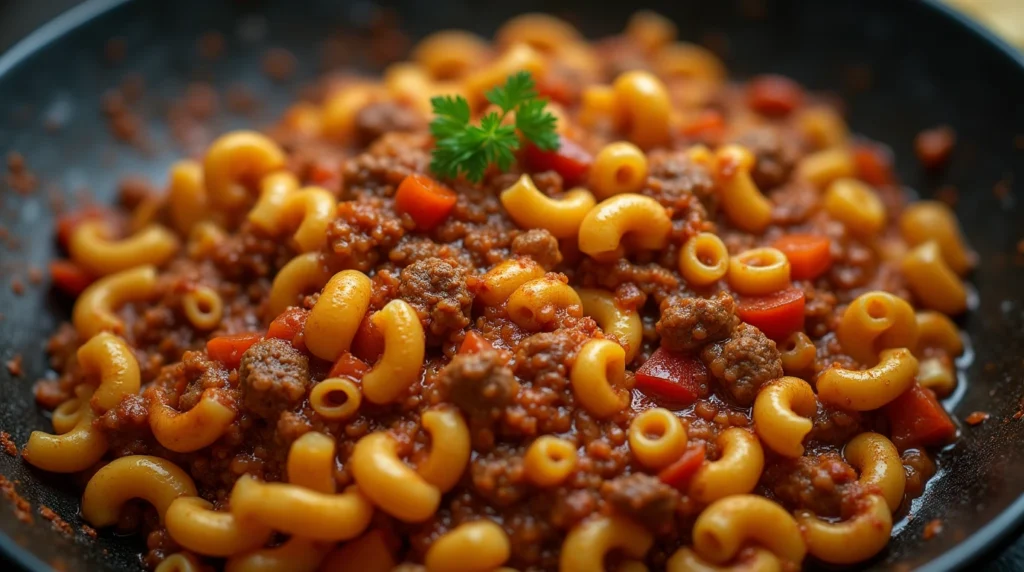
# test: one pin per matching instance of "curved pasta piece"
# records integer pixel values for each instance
(275, 189)
(759, 560)
(91, 247)
(624, 325)
(530, 208)
(334, 319)
(783, 413)
(194, 524)
(153, 479)
(71, 451)
(729, 523)
(644, 106)
(932, 281)
(368, 553)
(871, 388)
(597, 377)
(94, 309)
(689, 61)
(922, 221)
(876, 321)
(310, 210)
(542, 32)
(936, 330)
(498, 283)
(450, 448)
(67, 414)
(404, 347)
(186, 196)
(482, 541)
(854, 540)
(534, 305)
(303, 273)
(879, 465)
(335, 408)
(641, 217)
(296, 555)
(657, 438)
(235, 158)
(179, 562)
(549, 461)
(203, 307)
(109, 358)
(587, 544)
(303, 512)
(311, 463)
(759, 271)
(742, 201)
(450, 54)
(703, 259)
(857, 206)
(389, 483)
(735, 472)
(518, 57)
(201, 426)
(619, 167)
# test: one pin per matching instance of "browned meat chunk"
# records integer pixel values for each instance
(480, 384)
(376, 119)
(743, 363)
(539, 245)
(823, 484)
(437, 289)
(643, 498)
(273, 377)
(775, 156)
(687, 324)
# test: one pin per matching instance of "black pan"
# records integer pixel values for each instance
(925, 66)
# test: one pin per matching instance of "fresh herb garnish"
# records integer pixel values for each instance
(465, 148)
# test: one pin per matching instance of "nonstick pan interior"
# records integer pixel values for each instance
(902, 67)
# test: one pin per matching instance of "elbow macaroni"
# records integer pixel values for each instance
(404, 347)
(618, 168)
(597, 377)
(657, 438)
(235, 160)
(607, 224)
(389, 483)
(334, 319)
(324, 399)
(587, 544)
(534, 306)
(876, 321)
(857, 539)
(729, 523)
(871, 388)
(530, 208)
(737, 470)
(857, 206)
(450, 448)
(643, 106)
(879, 465)
(95, 307)
(201, 426)
(74, 448)
(109, 358)
(923, 221)
(194, 524)
(740, 198)
(932, 281)
(759, 271)
(91, 246)
(311, 463)
(303, 273)
(300, 511)
(368, 553)
(477, 545)
(549, 461)
(498, 283)
(782, 415)
(703, 259)
(153, 479)
(623, 325)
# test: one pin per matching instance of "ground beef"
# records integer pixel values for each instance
(384, 165)
(273, 377)
(361, 234)
(822, 483)
(687, 324)
(480, 384)
(776, 154)
(202, 373)
(644, 498)
(673, 180)
(835, 426)
(743, 363)
(540, 245)
(376, 119)
(437, 290)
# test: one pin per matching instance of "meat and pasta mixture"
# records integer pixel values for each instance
(536, 303)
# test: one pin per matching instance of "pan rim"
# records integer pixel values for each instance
(993, 535)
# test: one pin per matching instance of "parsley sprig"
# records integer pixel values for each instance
(462, 147)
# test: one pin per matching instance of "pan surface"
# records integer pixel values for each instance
(901, 66)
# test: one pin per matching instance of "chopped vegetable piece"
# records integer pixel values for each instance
(679, 473)
(289, 325)
(425, 200)
(774, 95)
(228, 350)
(671, 377)
(570, 161)
(933, 146)
(69, 277)
(873, 163)
(777, 315)
(368, 343)
(809, 255)
(474, 342)
(708, 125)
(916, 418)
(350, 366)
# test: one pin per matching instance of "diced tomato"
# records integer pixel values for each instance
(933, 146)
(368, 343)
(570, 160)
(69, 277)
(672, 377)
(474, 342)
(67, 223)
(776, 315)
(679, 473)
(809, 255)
(228, 350)
(916, 418)
(873, 163)
(289, 325)
(350, 366)
(427, 201)
(321, 173)
(558, 87)
(774, 95)
(708, 125)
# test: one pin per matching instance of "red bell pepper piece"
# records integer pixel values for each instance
(873, 163)
(289, 325)
(679, 473)
(473, 343)
(776, 315)
(228, 350)
(69, 277)
(672, 377)
(916, 418)
(774, 95)
(809, 255)
(368, 343)
(348, 365)
(570, 160)
(427, 201)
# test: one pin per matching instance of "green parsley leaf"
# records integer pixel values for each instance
(464, 148)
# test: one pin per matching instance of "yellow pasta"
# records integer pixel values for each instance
(871, 388)
(311, 462)
(296, 555)
(91, 246)
(275, 188)
(759, 271)
(204, 239)
(192, 523)
(410, 84)
(188, 431)
(67, 414)
(640, 218)
(823, 127)
(643, 106)
(682, 60)
(294, 509)
(368, 553)
(735, 472)
(335, 398)
(623, 325)
(936, 375)
(233, 161)
(730, 523)
(587, 544)
(95, 307)
(932, 281)
(597, 377)
(597, 106)
(530, 208)
(404, 347)
(477, 545)
(549, 461)
(450, 448)
(450, 54)
(517, 57)
(310, 209)
(936, 330)
(498, 283)
(686, 560)
(650, 30)
(302, 274)
(341, 109)
(782, 415)
(541, 32)
(739, 196)
(534, 305)
(156, 480)
(180, 562)
(798, 353)
(856, 206)
(854, 540)
(657, 438)
(619, 167)
(876, 321)
(823, 167)
(109, 358)
(203, 307)
(923, 221)
(389, 483)
(879, 465)
(703, 259)
(186, 196)
(73, 449)
(334, 319)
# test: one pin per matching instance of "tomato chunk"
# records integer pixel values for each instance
(873, 163)
(368, 343)
(916, 418)
(348, 365)
(427, 201)
(679, 473)
(228, 350)
(708, 125)
(570, 160)
(474, 342)
(69, 277)
(774, 95)
(776, 315)
(672, 377)
(289, 325)
(809, 255)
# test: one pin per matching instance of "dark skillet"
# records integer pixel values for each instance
(926, 67)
